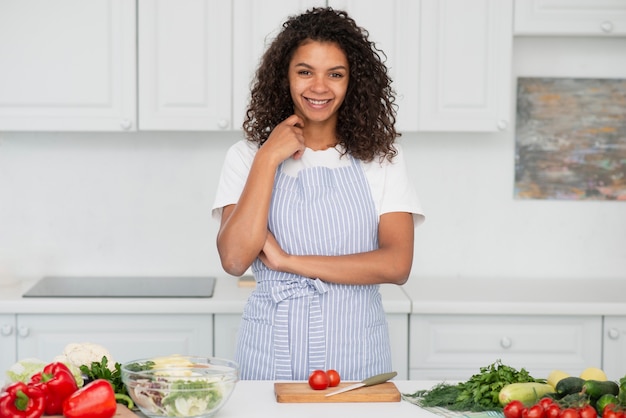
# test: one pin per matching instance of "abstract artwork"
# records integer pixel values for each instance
(570, 139)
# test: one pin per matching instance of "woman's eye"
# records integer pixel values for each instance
(336, 75)
(304, 72)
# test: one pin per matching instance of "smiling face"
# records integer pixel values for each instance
(318, 80)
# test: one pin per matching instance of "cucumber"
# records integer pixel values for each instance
(527, 392)
(569, 385)
(604, 400)
(597, 388)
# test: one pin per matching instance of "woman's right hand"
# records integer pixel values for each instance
(286, 140)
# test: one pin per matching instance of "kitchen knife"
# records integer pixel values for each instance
(370, 381)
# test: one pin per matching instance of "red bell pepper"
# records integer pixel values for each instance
(94, 400)
(58, 383)
(22, 401)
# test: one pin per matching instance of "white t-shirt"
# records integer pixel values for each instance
(389, 182)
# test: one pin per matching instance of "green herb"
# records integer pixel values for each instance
(479, 393)
(100, 370)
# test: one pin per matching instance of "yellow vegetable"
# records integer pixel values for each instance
(528, 392)
(593, 373)
(555, 376)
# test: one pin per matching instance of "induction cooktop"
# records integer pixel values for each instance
(122, 287)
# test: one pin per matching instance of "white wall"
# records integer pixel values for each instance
(139, 204)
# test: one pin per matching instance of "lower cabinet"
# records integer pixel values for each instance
(454, 347)
(614, 360)
(127, 337)
(8, 345)
(227, 326)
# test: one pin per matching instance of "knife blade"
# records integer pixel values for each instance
(370, 381)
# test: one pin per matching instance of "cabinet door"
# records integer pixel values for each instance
(8, 346)
(565, 17)
(395, 29)
(127, 337)
(256, 23)
(454, 347)
(225, 335)
(465, 65)
(185, 65)
(67, 65)
(614, 363)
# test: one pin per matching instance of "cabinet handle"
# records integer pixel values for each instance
(506, 342)
(222, 123)
(606, 26)
(613, 333)
(23, 331)
(6, 330)
(126, 124)
(502, 125)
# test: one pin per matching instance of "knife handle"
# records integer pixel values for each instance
(379, 378)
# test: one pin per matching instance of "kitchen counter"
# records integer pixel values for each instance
(523, 297)
(418, 296)
(228, 298)
(256, 399)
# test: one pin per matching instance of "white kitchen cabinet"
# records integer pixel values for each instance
(395, 29)
(465, 52)
(614, 360)
(450, 60)
(226, 327)
(255, 24)
(8, 345)
(127, 337)
(454, 347)
(567, 17)
(185, 65)
(67, 65)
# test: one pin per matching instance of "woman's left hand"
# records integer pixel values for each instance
(272, 255)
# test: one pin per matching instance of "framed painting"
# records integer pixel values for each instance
(570, 139)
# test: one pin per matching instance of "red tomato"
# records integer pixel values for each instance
(545, 402)
(513, 409)
(536, 411)
(333, 378)
(319, 380)
(587, 411)
(610, 411)
(569, 413)
(553, 411)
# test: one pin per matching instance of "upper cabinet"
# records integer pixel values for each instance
(185, 65)
(567, 17)
(465, 50)
(256, 23)
(67, 65)
(450, 60)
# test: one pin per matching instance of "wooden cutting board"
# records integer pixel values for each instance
(292, 392)
(122, 412)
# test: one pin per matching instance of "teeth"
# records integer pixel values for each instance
(318, 102)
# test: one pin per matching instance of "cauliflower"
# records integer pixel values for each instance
(83, 354)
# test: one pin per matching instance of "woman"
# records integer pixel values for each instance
(317, 200)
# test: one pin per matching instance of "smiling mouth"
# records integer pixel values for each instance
(318, 102)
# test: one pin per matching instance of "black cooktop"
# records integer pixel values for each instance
(122, 287)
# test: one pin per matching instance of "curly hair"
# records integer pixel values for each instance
(366, 118)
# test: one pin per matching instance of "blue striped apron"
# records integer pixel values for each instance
(291, 324)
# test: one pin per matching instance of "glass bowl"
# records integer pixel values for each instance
(180, 386)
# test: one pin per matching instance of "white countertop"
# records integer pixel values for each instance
(525, 297)
(418, 296)
(227, 298)
(256, 399)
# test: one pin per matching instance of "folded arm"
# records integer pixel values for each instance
(390, 263)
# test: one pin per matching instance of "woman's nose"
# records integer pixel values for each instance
(319, 84)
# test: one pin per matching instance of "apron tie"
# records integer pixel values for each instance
(302, 296)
